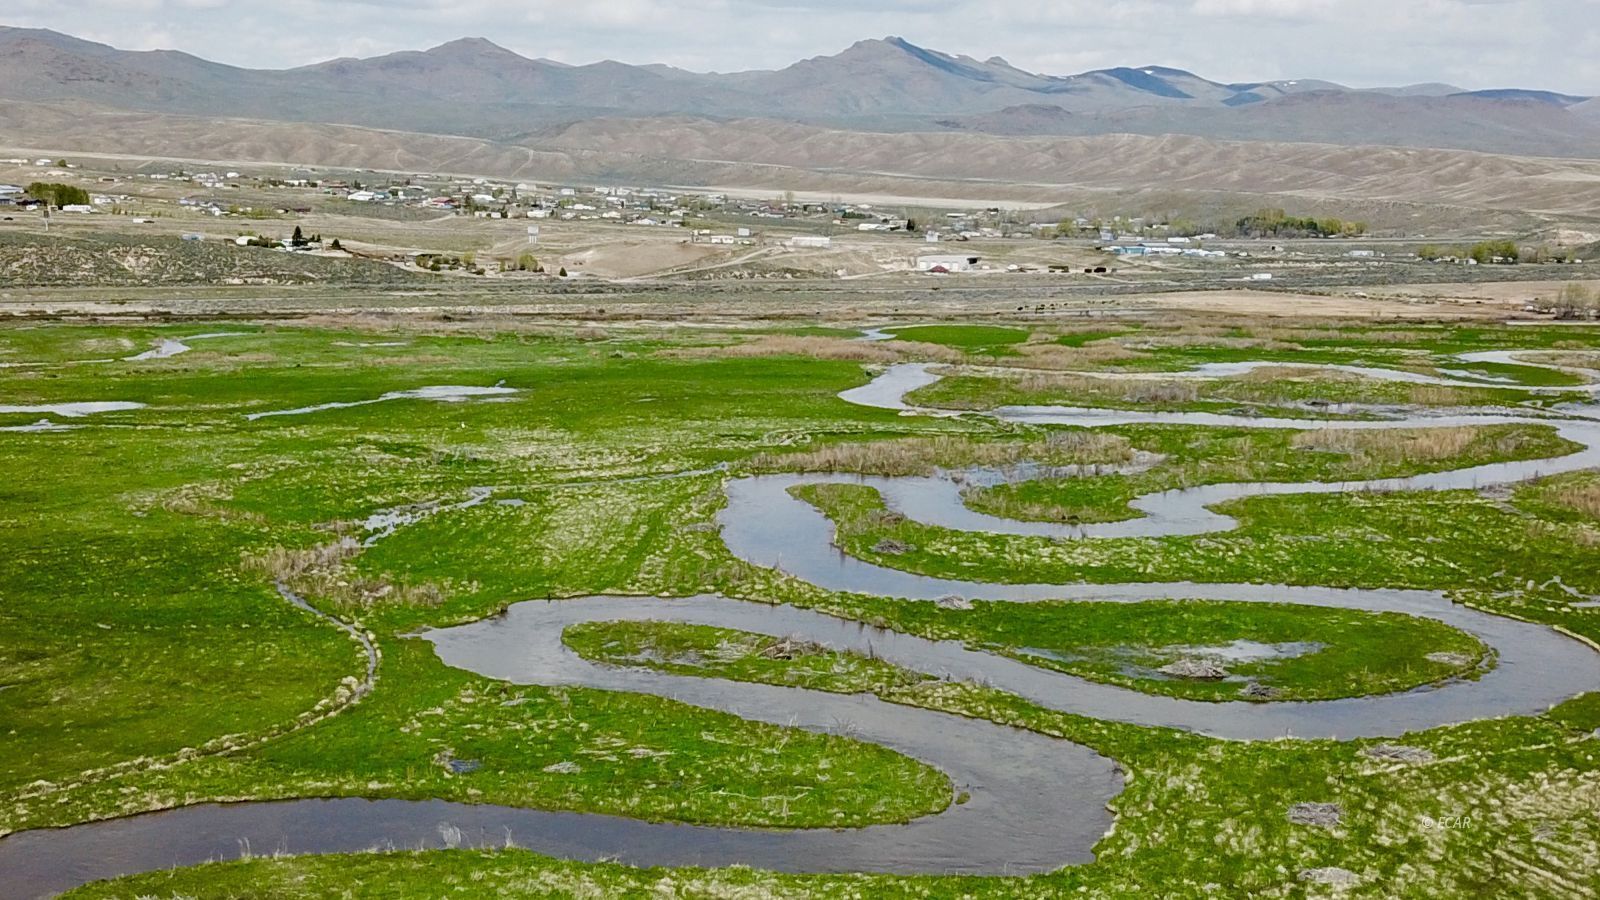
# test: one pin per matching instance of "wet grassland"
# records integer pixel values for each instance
(148, 660)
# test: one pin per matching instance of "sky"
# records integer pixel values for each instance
(1546, 44)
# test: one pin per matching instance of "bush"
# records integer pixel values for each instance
(1577, 301)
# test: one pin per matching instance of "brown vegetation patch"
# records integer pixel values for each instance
(1270, 374)
(320, 571)
(1209, 340)
(924, 455)
(843, 349)
(1572, 360)
(1126, 390)
(1411, 444)
(1580, 497)
(1093, 355)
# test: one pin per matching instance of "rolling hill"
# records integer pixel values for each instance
(475, 88)
(1386, 184)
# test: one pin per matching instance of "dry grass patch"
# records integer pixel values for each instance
(1583, 498)
(1436, 395)
(924, 455)
(1270, 374)
(385, 361)
(1298, 335)
(1126, 390)
(1093, 355)
(321, 572)
(288, 564)
(1211, 341)
(842, 349)
(1409, 444)
(1568, 360)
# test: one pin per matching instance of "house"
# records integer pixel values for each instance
(722, 239)
(945, 264)
(811, 241)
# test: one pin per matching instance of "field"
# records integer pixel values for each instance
(271, 562)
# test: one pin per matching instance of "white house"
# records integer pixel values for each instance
(811, 241)
(942, 263)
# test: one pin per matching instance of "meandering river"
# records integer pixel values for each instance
(1032, 803)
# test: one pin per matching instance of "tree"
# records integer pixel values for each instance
(298, 239)
(57, 195)
(911, 224)
(1494, 251)
(563, 272)
(337, 246)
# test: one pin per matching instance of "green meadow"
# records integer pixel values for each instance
(148, 660)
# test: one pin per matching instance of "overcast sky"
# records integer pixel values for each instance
(1550, 44)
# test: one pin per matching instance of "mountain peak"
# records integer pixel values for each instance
(472, 47)
(884, 46)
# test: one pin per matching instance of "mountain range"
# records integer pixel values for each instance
(475, 88)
